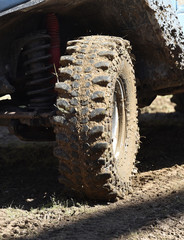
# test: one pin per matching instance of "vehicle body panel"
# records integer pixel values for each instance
(6, 5)
(152, 28)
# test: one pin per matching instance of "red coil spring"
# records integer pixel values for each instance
(53, 31)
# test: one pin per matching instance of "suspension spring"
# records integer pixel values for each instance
(39, 73)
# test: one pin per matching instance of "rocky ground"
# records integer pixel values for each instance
(31, 206)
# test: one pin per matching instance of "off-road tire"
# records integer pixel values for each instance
(178, 99)
(96, 69)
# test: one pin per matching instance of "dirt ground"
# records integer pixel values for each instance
(31, 206)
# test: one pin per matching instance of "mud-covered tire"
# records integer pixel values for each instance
(96, 92)
(178, 99)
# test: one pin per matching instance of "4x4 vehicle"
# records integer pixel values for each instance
(72, 69)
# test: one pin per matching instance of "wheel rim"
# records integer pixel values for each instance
(118, 120)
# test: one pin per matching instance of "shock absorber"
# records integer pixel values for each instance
(41, 59)
(53, 31)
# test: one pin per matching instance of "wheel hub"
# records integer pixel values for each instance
(118, 120)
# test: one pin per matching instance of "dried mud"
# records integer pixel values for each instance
(31, 206)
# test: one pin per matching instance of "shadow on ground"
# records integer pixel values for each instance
(28, 175)
(162, 141)
(120, 221)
